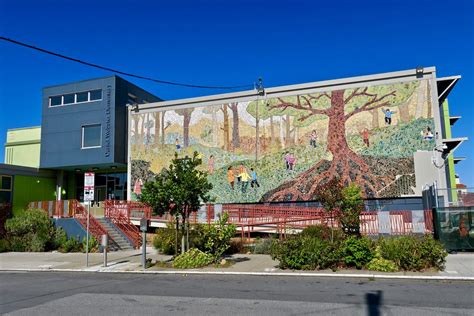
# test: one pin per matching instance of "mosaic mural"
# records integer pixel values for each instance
(281, 149)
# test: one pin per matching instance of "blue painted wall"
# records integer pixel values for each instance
(71, 226)
(61, 132)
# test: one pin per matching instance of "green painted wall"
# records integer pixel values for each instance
(23, 147)
(450, 162)
(27, 189)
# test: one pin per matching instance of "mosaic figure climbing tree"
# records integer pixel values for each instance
(339, 106)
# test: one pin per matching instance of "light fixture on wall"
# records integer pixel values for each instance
(259, 87)
(419, 71)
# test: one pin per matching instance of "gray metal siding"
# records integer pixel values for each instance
(61, 133)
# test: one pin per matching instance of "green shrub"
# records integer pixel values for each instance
(71, 245)
(58, 239)
(4, 245)
(380, 264)
(217, 237)
(414, 253)
(305, 253)
(31, 230)
(194, 258)
(93, 244)
(357, 251)
(164, 240)
(264, 246)
(323, 232)
(236, 246)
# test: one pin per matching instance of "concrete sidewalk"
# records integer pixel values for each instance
(458, 266)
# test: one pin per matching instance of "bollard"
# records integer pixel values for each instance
(143, 228)
(105, 243)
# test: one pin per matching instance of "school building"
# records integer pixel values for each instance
(101, 125)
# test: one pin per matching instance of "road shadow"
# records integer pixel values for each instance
(374, 302)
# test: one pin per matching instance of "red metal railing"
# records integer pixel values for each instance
(68, 209)
(119, 213)
(95, 227)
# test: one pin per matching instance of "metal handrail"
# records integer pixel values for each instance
(118, 212)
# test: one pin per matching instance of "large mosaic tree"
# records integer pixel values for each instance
(338, 106)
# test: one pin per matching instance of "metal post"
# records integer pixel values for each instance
(87, 232)
(105, 243)
(144, 249)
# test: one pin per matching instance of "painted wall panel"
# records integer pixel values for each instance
(27, 189)
(287, 146)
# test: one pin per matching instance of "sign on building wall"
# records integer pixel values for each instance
(282, 149)
(89, 178)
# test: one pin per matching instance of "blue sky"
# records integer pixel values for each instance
(233, 43)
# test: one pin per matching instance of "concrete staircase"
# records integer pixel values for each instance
(119, 241)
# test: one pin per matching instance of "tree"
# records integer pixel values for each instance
(351, 207)
(164, 127)
(179, 190)
(343, 204)
(156, 116)
(339, 106)
(212, 110)
(226, 127)
(330, 196)
(234, 107)
(263, 110)
(186, 114)
(260, 111)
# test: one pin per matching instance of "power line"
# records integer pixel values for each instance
(121, 72)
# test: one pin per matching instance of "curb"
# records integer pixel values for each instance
(296, 274)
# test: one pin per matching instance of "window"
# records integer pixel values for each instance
(82, 97)
(54, 101)
(6, 183)
(95, 95)
(73, 98)
(5, 189)
(91, 136)
(69, 98)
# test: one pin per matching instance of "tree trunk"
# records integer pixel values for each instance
(163, 127)
(215, 129)
(282, 135)
(226, 127)
(420, 100)
(295, 134)
(287, 131)
(272, 131)
(142, 126)
(148, 129)
(257, 139)
(183, 226)
(235, 125)
(176, 236)
(135, 128)
(336, 142)
(186, 121)
(375, 118)
(157, 128)
(404, 110)
(428, 98)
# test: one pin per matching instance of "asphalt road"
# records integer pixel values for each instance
(54, 293)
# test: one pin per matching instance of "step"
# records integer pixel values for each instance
(119, 241)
